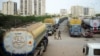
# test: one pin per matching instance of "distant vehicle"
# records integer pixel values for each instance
(29, 41)
(49, 20)
(92, 24)
(75, 28)
(91, 49)
(50, 29)
(50, 25)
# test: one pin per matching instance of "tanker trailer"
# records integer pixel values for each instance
(29, 41)
(93, 24)
(86, 23)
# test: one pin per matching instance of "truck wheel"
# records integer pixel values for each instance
(79, 36)
(70, 35)
(47, 42)
(31, 55)
(51, 34)
(45, 45)
(41, 49)
(46, 39)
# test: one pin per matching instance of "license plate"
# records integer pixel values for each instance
(76, 33)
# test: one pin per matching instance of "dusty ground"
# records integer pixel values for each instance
(68, 46)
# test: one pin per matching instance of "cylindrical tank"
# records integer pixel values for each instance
(49, 20)
(86, 21)
(75, 21)
(24, 40)
(91, 22)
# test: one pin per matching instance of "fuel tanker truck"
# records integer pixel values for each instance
(50, 25)
(92, 23)
(75, 28)
(29, 41)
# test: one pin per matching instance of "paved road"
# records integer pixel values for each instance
(68, 46)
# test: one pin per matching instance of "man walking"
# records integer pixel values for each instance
(55, 35)
(59, 34)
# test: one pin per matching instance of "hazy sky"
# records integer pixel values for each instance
(54, 6)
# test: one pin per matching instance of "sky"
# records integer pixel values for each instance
(54, 6)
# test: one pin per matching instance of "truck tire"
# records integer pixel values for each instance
(46, 39)
(45, 45)
(79, 35)
(41, 51)
(70, 35)
(51, 34)
(45, 42)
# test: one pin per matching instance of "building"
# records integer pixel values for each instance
(9, 8)
(63, 12)
(89, 12)
(39, 7)
(32, 7)
(26, 7)
(18, 12)
(77, 11)
(86, 11)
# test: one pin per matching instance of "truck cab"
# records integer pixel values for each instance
(91, 49)
(75, 27)
(75, 30)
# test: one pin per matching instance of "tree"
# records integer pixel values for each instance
(97, 14)
(9, 21)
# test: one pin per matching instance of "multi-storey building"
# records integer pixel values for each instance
(39, 7)
(91, 12)
(26, 7)
(9, 8)
(63, 12)
(77, 11)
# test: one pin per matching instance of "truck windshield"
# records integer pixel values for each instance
(96, 51)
